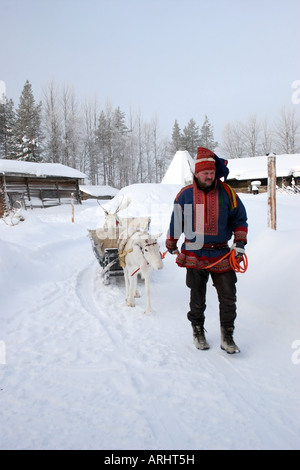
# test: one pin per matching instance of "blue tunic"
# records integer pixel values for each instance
(208, 221)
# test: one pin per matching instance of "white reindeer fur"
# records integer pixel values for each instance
(144, 257)
(121, 228)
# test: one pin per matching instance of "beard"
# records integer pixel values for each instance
(205, 185)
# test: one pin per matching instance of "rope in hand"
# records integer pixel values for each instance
(238, 264)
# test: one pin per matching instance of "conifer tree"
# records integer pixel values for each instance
(176, 143)
(27, 129)
(207, 135)
(7, 119)
(191, 138)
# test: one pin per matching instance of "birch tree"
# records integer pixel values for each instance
(252, 130)
(90, 144)
(233, 141)
(52, 124)
(267, 138)
(70, 128)
(286, 132)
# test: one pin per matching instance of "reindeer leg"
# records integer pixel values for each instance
(147, 289)
(130, 296)
(126, 283)
(136, 292)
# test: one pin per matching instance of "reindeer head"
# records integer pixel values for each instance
(111, 219)
(150, 249)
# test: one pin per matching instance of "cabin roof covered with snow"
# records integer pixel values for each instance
(257, 167)
(98, 191)
(38, 170)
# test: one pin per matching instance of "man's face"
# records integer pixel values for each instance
(206, 178)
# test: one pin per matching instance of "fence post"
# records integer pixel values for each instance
(72, 206)
(272, 192)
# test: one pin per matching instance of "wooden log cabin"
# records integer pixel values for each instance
(37, 184)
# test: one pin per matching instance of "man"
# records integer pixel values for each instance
(209, 213)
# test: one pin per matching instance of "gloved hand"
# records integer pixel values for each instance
(173, 252)
(239, 248)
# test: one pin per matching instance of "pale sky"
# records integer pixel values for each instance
(174, 59)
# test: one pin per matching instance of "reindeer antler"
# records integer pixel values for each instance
(103, 208)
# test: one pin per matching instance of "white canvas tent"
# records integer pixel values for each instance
(180, 170)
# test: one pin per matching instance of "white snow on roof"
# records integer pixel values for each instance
(39, 169)
(98, 191)
(180, 170)
(257, 167)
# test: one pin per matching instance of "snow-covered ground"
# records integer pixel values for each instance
(81, 370)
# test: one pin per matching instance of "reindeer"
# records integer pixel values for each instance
(142, 255)
(111, 224)
(117, 230)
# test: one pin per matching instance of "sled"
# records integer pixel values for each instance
(106, 252)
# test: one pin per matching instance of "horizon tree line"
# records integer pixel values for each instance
(117, 150)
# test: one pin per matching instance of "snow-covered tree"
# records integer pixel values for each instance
(119, 134)
(176, 142)
(252, 130)
(233, 145)
(52, 125)
(71, 129)
(191, 137)
(27, 129)
(7, 119)
(207, 135)
(286, 132)
(267, 138)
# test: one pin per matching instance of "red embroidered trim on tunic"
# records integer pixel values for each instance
(189, 260)
(240, 234)
(210, 201)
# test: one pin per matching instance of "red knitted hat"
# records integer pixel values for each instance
(205, 160)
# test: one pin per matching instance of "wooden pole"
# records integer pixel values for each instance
(6, 204)
(72, 204)
(272, 192)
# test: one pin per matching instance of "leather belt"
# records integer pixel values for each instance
(215, 246)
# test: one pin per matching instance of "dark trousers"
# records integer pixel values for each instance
(225, 284)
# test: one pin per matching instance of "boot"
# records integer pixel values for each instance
(227, 342)
(199, 337)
